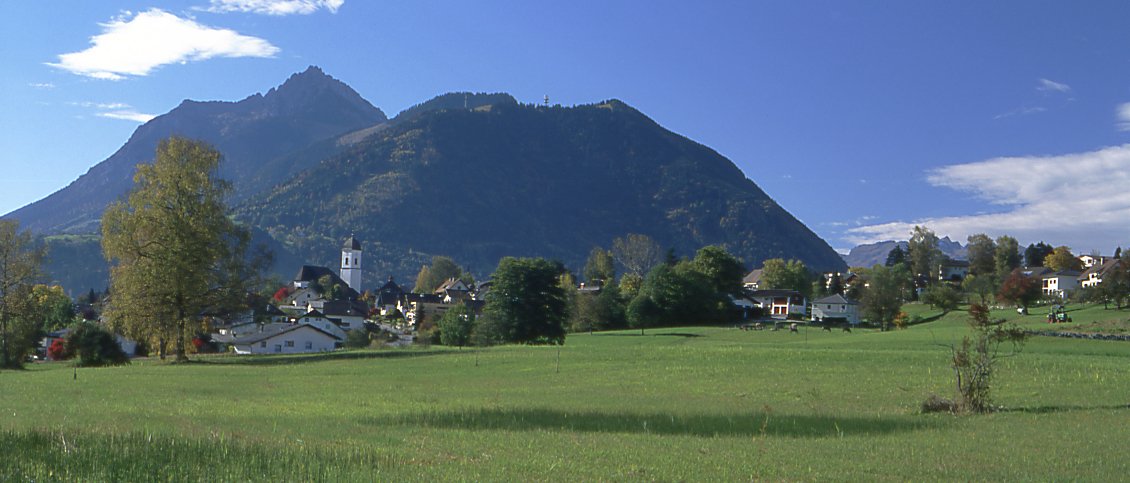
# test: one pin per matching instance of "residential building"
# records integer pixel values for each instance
(835, 309)
(1060, 284)
(778, 303)
(286, 339)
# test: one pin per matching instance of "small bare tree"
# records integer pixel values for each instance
(974, 359)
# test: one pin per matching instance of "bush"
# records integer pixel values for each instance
(95, 346)
(938, 404)
(58, 350)
(357, 339)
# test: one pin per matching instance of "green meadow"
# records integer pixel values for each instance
(694, 403)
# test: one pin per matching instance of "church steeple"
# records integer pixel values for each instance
(351, 263)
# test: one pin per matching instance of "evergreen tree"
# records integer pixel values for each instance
(1034, 255)
(895, 256)
(600, 266)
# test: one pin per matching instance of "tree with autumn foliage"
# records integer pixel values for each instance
(1019, 289)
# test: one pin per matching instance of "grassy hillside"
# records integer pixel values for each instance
(674, 404)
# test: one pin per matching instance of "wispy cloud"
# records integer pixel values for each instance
(116, 110)
(127, 115)
(1122, 113)
(1024, 111)
(1079, 200)
(135, 46)
(1046, 85)
(274, 7)
(41, 85)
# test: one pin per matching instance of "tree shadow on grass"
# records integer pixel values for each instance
(1063, 409)
(702, 425)
(278, 360)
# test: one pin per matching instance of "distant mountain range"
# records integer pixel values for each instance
(876, 253)
(471, 176)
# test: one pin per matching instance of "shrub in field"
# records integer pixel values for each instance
(58, 350)
(975, 358)
(357, 339)
(95, 346)
(455, 326)
(937, 404)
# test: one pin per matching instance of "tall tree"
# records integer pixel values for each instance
(175, 253)
(442, 269)
(20, 263)
(1035, 254)
(721, 270)
(526, 303)
(885, 293)
(53, 308)
(600, 266)
(924, 255)
(982, 254)
(790, 275)
(836, 284)
(637, 253)
(1062, 259)
(1007, 257)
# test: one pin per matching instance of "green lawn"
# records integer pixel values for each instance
(674, 404)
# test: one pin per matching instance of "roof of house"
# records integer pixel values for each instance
(956, 263)
(1036, 271)
(354, 308)
(451, 284)
(776, 292)
(269, 331)
(311, 273)
(753, 276)
(1063, 273)
(1100, 269)
(835, 299)
(423, 297)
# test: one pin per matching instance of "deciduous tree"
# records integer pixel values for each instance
(431, 277)
(885, 293)
(1062, 259)
(1007, 257)
(637, 253)
(174, 251)
(19, 268)
(982, 254)
(1034, 255)
(776, 273)
(600, 266)
(1019, 289)
(526, 303)
(924, 254)
(455, 326)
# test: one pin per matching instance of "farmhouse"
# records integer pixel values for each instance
(779, 304)
(1060, 283)
(1094, 275)
(835, 309)
(286, 339)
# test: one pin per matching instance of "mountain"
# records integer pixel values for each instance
(265, 139)
(876, 253)
(499, 178)
(472, 176)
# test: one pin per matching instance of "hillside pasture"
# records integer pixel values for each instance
(687, 403)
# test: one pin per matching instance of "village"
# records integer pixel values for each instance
(320, 309)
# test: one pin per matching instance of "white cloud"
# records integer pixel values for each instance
(127, 115)
(1024, 111)
(274, 7)
(42, 85)
(1046, 85)
(135, 46)
(1123, 115)
(1080, 200)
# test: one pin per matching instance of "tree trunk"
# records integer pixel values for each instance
(181, 356)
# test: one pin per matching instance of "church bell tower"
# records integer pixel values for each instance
(351, 263)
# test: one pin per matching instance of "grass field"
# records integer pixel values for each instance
(674, 404)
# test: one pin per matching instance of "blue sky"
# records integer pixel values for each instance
(860, 118)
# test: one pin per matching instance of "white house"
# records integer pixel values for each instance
(349, 314)
(779, 304)
(319, 320)
(835, 309)
(286, 339)
(1094, 275)
(752, 280)
(1089, 261)
(1060, 283)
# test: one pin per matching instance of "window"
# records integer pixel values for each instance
(263, 344)
(309, 345)
(278, 348)
(290, 343)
